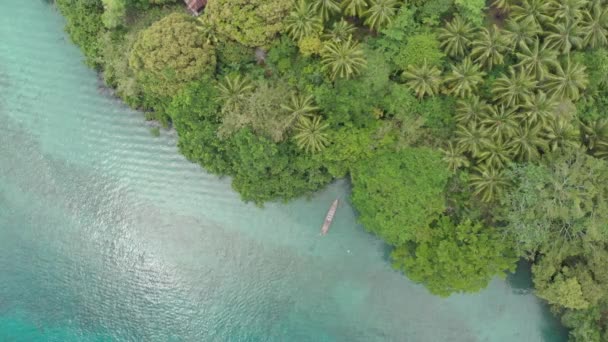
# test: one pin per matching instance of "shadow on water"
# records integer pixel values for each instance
(521, 280)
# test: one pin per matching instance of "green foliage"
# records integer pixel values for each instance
(114, 13)
(397, 194)
(420, 48)
(250, 22)
(266, 171)
(471, 10)
(194, 113)
(560, 200)
(84, 25)
(169, 54)
(450, 258)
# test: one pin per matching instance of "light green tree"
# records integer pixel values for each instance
(451, 258)
(252, 23)
(169, 54)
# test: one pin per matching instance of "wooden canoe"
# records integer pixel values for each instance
(329, 217)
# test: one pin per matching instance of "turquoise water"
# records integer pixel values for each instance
(108, 234)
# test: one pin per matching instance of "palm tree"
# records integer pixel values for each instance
(453, 157)
(298, 106)
(341, 31)
(489, 183)
(503, 5)
(501, 121)
(595, 132)
(303, 21)
(354, 7)
(567, 10)
(527, 142)
(521, 32)
(512, 90)
(325, 8)
(233, 92)
(455, 37)
(496, 153)
(380, 13)
(564, 36)
(568, 81)
(538, 109)
(464, 79)
(471, 138)
(536, 59)
(561, 134)
(207, 31)
(423, 80)
(310, 134)
(594, 26)
(342, 59)
(536, 11)
(490, 46)
(471, 109)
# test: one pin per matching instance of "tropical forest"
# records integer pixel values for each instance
(474, 133)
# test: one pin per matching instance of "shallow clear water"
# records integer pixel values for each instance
(108, 234)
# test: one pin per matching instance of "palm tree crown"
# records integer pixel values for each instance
(342, 59)
(380, 13)
(310, 134)
(521, 32)
(536, 59)
(303, 21)
(568, 81)
(538, 109)
(341, 31)
(423, 80)
(594, 26)
(465, 78)
(490, 46)
(355, 7)
(512, 90)
(565, 36)
(233, 91)
(536, 11)
(471, 109)
(489, 183)
(527, 142)
(298, 106)
(456, 37)
(325, 8)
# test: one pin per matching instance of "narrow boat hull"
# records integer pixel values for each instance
(329, 217)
